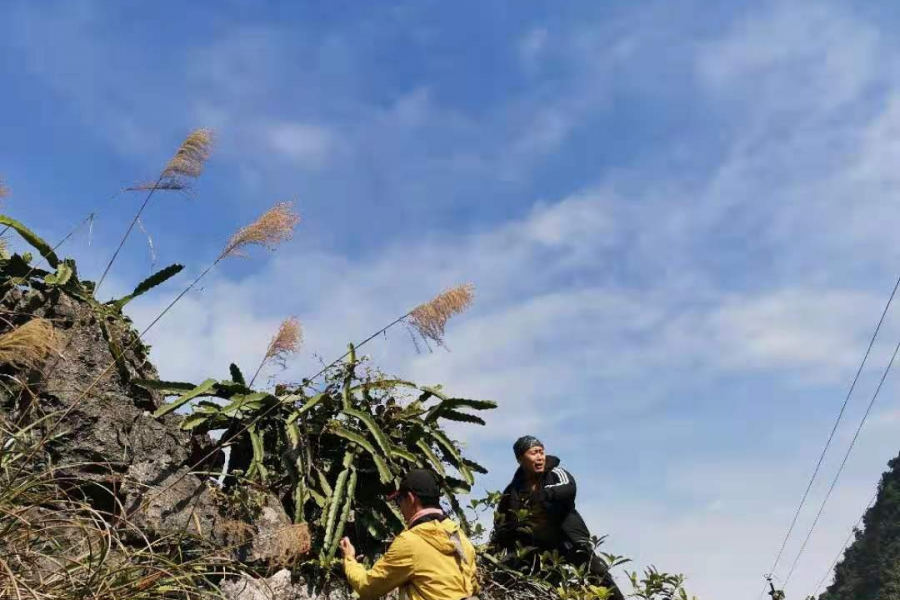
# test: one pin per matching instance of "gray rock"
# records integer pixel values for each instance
(104, 440)
(279, 587)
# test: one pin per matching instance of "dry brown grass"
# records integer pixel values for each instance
(292, 543)
(190, 159)
(274, 227)
(28, 345)
(286, 342)
(431, 318)
(238, 530)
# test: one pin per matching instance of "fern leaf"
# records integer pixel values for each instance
(148, 284)
(200, 390)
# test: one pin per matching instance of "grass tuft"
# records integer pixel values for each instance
(28, 345)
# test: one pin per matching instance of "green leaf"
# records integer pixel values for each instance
(63, 274)
(384, 384)
(194, 421)
(236, 375)
(432, 457)
(373, 427)
(200, 390)
(245, 403)
(29, 236)
(474, 466)
(227, 389)
(207, 407)
(451, 404)
(458, 486)
(383, 471)
(469, 403)
(318, 498)
(404, 454)
(434, 391)
(455, 415)
(345, 513)
(293, 433)
(256, 441)
(456, 457)
(393, 510)
(323, 482)
(335, 501)
(148, 284)
(169, 388)
(311, 402)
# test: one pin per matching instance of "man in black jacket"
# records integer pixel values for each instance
(547, 492)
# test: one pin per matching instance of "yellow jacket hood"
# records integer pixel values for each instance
(439, 535)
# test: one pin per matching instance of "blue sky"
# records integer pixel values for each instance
(679, 217)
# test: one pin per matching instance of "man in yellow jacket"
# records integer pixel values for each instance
(430, 560)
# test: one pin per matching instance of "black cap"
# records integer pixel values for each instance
(420, 482)
(524, 444)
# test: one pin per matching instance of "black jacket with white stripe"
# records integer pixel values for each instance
(552, 524)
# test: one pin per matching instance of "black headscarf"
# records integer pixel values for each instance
(524, 444)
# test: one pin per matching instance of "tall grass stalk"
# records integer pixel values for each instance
(187, 164)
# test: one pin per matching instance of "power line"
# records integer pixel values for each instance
(843, 462)
(844, 547)
(837, 422)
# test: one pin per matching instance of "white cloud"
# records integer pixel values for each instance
(794, 329)
(302, 144)
(795, 55)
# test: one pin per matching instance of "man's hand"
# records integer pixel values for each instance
(347, 548)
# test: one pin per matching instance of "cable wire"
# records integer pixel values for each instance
(843, 462)
(837, 422)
